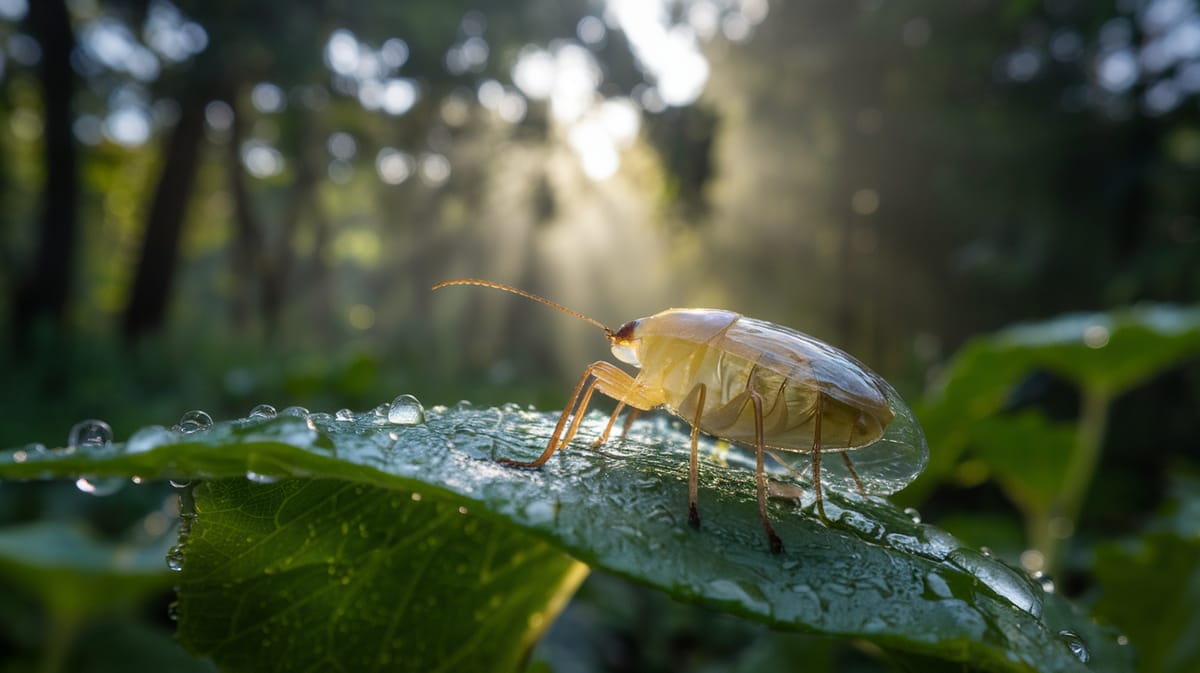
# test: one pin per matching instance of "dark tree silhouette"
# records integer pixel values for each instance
(45, 290)
(160, 246)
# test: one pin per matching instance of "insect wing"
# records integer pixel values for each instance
(808, 362)
(886, 465)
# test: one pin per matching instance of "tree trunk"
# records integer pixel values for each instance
(248, 265)
(160, 247)
(45, 290)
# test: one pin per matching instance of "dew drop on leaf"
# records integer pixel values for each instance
(147, 438)
(91, 433)
(175, 558)
(343, 415)
(99, 486)
(1076, 645)
(1045, 581)
(1001, 579)
(263, 411)
(406, 410)
(295, 411)
(913, 514)
(194, 421)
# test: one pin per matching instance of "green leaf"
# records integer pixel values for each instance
(873, 573)
(1104, 353)
(334, 575)
(1150, 586)
(77, 576)
(1151, 589)
(1028, 455)
(77, 581)
(1111, 352)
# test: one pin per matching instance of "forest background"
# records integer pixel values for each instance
(216, 205)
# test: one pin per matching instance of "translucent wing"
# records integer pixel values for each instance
(807, 361)
(887, 464)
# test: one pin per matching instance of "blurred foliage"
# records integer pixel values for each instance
(217, 205)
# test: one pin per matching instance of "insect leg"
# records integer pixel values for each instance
(760, 474)
(853, 473)
(608, 428)
(699, 393)
(586, 380)
(816, 460)
(629, 419)
(599, 376)
(620, 386)
(850, 463)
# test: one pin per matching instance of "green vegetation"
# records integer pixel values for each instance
(216, 205)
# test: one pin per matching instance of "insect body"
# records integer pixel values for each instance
(739, 379)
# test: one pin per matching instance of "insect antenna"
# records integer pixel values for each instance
(528, 295)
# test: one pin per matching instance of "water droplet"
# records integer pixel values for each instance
(406, 410)
(935, 542)
(91, 433)
(1076, 645)
(175, 558)
(295, 411)
(263, 411)
(20, 456)
(343, 415)
(260, 478)
(99, 486)
(147, 438)
(34, 448)
(1046, 582)
(181, 483)
(1122, 639)
(937, 586)
(912, 513)
(173, 611)
(194, 421)
(540, 511)
(1005, 582)
(986, 551)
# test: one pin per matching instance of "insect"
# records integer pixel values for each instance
(743, 380)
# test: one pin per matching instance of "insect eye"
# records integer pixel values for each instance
(626, 331)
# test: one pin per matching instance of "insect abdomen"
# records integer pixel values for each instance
(788, 388)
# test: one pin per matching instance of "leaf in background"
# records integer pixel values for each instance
(1112, 351)
(1106, 353)
(77, 580)
(76, 576)
(874, 573)
(1028, 455)
(1150, 587)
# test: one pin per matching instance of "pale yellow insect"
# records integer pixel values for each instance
(746, 381)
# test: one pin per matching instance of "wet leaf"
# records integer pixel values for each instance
(873, 573)
(341, 576)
